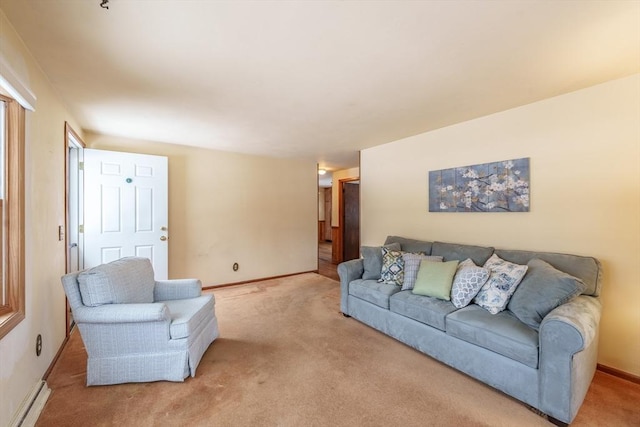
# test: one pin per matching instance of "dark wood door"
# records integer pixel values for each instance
(351, 221)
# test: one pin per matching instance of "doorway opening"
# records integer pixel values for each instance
(326, 266)
(74, 207)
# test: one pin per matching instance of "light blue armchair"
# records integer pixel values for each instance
(137, 329)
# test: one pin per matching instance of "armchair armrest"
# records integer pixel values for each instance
(177, 289)
(348, 271)
(568, 356)
(122, 313)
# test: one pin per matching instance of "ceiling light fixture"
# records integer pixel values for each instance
(321, 171)
(104, 4)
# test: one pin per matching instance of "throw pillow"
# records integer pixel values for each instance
(543, 289)
(467, 282)
(411, 267)
(392, 267)
(435, 279)
(373, 260)
(505, 277)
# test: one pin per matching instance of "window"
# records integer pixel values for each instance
(12, 295)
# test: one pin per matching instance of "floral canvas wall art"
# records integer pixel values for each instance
(489, 187)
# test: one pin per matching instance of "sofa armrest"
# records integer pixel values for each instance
(122, 313)
(348, 271)
(166, 290)
(574, 325)
(568, 356)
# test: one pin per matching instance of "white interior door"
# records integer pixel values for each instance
(75, 206)
(126, 205)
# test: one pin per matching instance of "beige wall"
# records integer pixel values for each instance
(225, 207)
(337, 176)
(585, 192)
(20, 368)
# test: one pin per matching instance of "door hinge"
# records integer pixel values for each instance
(81, 166)
(81, 229)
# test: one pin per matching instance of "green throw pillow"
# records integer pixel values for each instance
(435, 279)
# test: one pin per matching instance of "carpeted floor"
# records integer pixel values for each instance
(287, 357)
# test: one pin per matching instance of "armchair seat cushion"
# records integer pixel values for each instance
(188, 314)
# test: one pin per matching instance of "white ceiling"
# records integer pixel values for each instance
(316, 79)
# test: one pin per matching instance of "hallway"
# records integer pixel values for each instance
(325, 266)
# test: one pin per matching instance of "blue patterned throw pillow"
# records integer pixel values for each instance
(467, 282)
(392, 267)
(505, 277)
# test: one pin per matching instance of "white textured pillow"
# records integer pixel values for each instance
(505, 277)
(467, 282)
(411, 267)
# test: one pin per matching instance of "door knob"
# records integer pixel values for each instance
(163, 238)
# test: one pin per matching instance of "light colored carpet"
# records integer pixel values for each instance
(287, 357)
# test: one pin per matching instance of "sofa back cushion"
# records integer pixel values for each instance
(587, 269)
(410, 245)
(124, 281)
(372, 261)
(454, 251)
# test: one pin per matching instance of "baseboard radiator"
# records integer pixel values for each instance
(32, 406)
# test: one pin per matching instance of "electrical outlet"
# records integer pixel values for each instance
(236, 267)
(60, 233)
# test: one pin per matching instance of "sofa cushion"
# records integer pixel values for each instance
(427, 310)
(542, 289)
(124, 281)
(411, 267)
(505, 277)
(502, 333)
(373, 291)
(392, 267)
(410, 245)
(188, 314)
(587, 269)
(372, 261)
(467, 282)
(451, 251)
(435, 279)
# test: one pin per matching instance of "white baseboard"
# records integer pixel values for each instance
(32, 406)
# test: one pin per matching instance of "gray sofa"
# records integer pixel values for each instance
(549, 369)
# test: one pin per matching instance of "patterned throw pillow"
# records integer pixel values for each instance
(467, 282)
(505, 277)
(411, 267)
(392, 267)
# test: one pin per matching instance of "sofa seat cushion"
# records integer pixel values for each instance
(427, 310)
(373, 291)
(188, 314)
(502, 333)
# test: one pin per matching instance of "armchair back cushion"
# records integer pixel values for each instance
(125, 281)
